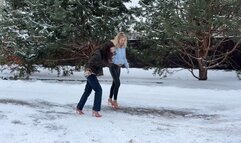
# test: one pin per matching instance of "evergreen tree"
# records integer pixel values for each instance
(196, 29)
(17, 44)
(50, 31)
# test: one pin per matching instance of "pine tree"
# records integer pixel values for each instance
(16, 39)
(196, 29)
(49, 32)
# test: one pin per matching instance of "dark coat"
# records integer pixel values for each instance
(96, 63)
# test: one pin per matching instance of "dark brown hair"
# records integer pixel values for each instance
(105, 52)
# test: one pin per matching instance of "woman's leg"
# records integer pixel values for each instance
(112, 72)
(94, 83)
(85, 96)
(117, 82)
(115, 73)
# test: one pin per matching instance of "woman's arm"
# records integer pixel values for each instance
(125, 60)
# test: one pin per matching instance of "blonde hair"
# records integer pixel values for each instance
(117, 38)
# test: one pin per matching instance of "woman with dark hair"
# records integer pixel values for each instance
(102, 57)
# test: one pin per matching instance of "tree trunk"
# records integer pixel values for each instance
(203, 72)
(202, 54)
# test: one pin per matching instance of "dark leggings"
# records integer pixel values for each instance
(115, 73)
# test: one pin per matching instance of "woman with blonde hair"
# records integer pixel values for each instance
(119, 60)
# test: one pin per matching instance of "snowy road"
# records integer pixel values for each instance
(180, 110)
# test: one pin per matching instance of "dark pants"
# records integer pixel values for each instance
(92, 83)
(115, 71)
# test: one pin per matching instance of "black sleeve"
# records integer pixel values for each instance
(94, 61)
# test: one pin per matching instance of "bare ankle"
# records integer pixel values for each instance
(80, 112)
(96, 114)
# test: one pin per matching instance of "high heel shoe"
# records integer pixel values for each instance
(96, 114)
(115, 105)
(110, 102)
(78, 111)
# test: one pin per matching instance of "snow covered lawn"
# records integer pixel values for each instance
(178, 109)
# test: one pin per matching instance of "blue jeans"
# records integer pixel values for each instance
(92, 83)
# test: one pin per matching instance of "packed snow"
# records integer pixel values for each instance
(176, 109)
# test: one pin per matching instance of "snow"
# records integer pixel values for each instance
(176, 109)
(132, 3)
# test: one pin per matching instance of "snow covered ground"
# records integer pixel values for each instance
(177, 109)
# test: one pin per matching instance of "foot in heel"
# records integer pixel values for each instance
(96, 114)
(78, 111)
(115, 105)
(110, 102)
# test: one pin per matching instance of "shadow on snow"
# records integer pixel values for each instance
(68, 109)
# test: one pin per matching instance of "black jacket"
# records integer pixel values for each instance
(96, 63)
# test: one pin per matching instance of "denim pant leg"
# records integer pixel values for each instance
(85, 95)
(95, 85)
